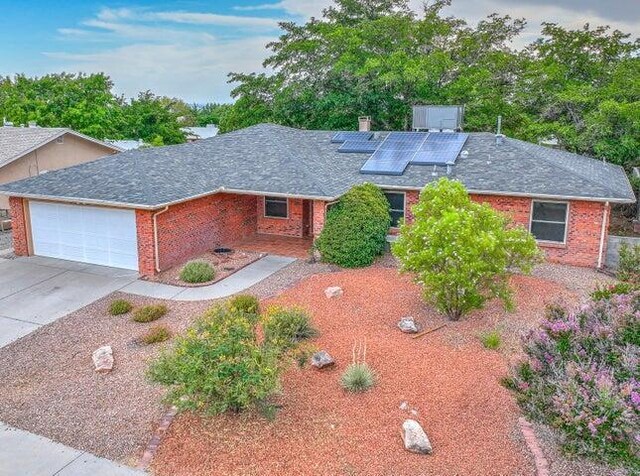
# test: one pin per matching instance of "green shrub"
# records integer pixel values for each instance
(491, 339)
(156, 334)
(462, 252)
(284, 327)
(602, 293)
(119, 307)
(358, 377)
(218, 365)
(197, 272)
(246, 303)
(629, 263)
(150, 313)
(356, 228)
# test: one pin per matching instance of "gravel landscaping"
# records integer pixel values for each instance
(447, 377)
(224, 264)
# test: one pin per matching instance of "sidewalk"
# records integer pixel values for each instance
(237, 282)
(23, 453)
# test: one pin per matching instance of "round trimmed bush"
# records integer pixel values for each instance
(119, 307)
(356, 228)
(150, 313)
(197, 272)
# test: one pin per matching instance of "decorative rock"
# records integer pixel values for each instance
(404, 406)
(322, 359)
(408, 325)
(333, 291)
(103, 359)
(415, 439)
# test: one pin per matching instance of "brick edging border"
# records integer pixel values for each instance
(156, 439)
(542, 465)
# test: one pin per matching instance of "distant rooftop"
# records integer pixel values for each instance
(196, 133)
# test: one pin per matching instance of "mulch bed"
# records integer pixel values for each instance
(224, 265)
(447, 377)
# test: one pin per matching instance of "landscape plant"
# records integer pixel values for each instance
(581, 375)
(358, 376)
(285, 327)
(222, 363)
(118, 307)
(197, 272)
(491, 339)
(629, 263)
(246, 303)
(462, 252)
(356, 227)
(149, 313)
(156, 334)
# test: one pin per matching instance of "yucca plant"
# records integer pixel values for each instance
(358, 377)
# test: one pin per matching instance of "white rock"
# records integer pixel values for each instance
(103, 359)
(408, 325)
(333, 291)
(414, 437)
(404, 406)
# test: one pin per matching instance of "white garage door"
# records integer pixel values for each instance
(104, 236)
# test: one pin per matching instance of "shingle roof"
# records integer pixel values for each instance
(18, 141)
(271, 159)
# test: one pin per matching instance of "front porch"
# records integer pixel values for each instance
(293, 247)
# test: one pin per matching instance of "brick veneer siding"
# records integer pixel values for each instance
(290, 226)
(190, 228)
(583, 236)
(19, 226)
(318, 214)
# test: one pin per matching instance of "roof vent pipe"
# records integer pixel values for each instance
(499, 134)
(364, 123)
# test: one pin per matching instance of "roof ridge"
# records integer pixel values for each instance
(530, 147)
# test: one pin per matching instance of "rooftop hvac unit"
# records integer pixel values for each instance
(438, 118)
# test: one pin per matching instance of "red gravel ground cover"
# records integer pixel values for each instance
(447, 376)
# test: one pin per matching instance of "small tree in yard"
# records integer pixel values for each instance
(462, 252)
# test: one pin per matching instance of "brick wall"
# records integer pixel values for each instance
(19, 226)
(318, 216)
(291, 226)
(583, 235)
(188, 229)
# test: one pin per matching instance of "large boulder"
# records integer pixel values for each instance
(322, 359)
(408, 325)
(103, 358)
(333, 291)
(414, 437)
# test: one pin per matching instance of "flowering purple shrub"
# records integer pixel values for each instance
(581, 375)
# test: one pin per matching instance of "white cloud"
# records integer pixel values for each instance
(212, 19)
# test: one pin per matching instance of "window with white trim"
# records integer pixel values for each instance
(396, 202)
(276, 207)
(549, 221)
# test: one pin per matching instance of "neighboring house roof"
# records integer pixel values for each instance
(210, 130)
(125, 144)
(277, 160)
(16, 142)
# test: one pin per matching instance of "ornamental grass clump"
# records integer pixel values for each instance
(119, 307)
(156, 334)
(245, 303)
(195, 272)
(581, 376)
(491, 339)
(150, 313)
(358, 377)
(285, 327)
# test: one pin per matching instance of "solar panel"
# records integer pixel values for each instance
(386, 162)
(408, 141)
(359, 146)
(343, 136)
(440, 148)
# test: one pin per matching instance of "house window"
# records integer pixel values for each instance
(396, 202)
(549, 221)
(276, 207)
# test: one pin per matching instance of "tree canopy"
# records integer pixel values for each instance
(378, 58)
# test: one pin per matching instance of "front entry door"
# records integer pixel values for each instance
(307, 217)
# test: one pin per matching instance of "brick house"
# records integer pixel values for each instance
(151, 209)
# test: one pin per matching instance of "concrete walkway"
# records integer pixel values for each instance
(237, 282)
(23, 453)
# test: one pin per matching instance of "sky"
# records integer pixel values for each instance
(186, 48)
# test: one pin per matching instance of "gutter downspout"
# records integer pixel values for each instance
(156, 252)
(605, 214)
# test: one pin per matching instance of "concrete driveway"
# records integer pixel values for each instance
(35, 291)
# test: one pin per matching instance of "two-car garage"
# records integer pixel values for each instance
(96, 235)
